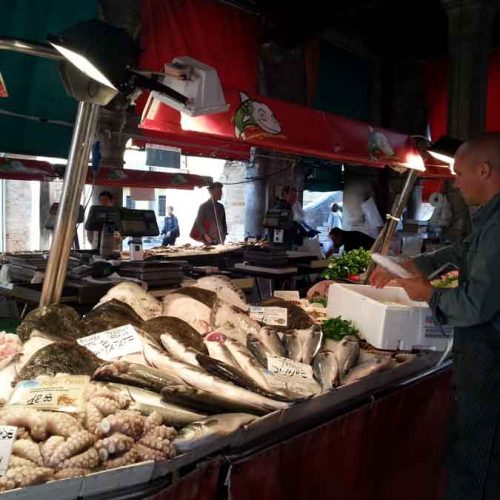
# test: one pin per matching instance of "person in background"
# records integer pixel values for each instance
(106, 199)
(335, 217)
(298, 214)
(170, 229)
(350, 240)
(473, 309)
(210, 224)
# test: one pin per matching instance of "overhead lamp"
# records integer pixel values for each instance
(444, 149)
(109, 55)
(414, 161)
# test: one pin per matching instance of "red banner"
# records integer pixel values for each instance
(280, 126)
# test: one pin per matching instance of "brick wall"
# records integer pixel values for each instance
(17, 215)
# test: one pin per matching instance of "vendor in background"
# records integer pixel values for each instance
(350, 240)
(298, 214)
(106, 199)
(473, 308)
(170, 229)
(335, 217)
(210, 225)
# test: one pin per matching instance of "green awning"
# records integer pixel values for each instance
(35, 88)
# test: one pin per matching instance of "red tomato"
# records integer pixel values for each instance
(354, 277)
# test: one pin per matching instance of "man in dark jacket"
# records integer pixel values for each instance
(170, 229)
(350, 240)
(473, 308)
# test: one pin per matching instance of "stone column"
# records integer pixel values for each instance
(255, 198)
(470, 38)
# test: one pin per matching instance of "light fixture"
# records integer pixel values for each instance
(414, 161)
(109, 55)
(444, 149)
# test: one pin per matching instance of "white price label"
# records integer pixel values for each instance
(59, 393)
(272, 316)
(289, 368)
(285, 373)
(7, 438)
(291, 295)
(113, 343)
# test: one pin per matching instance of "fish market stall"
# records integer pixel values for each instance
(140, 391)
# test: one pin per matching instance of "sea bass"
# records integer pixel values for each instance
(199, 378)
(215, 343)
(347, 354)
(302, 345)
(265, 342)
(326, 370)
(209, 430)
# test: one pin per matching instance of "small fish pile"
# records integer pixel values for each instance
(111, 432)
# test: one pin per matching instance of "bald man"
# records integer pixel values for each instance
(474, 310)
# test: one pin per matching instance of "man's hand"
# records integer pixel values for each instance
(168, 234)
(417, 287)
(207, 239)
(380, 277)
(319, 289)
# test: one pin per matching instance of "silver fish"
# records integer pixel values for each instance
(209, 430)
(217, 349)
(196, 377)
(302, 345)
(367, 368)
(265, 342)
(248, 363)
(147, 402)
(347, 354)
(198, 400)
(326, 370)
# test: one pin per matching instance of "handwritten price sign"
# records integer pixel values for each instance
(113, 343)
(272, 316)
(287, 374)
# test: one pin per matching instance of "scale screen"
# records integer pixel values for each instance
(137, 223)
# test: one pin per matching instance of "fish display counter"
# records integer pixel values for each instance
(139, 389)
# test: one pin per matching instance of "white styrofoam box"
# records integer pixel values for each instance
(387, 318)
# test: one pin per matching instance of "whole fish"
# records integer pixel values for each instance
(347, 354)
(326, 370)
(217, 349)
(264, 343)
(199, 378)
(147, 401)
(302, 345)
(60, 357)
(367, 368)
(248, 363)
(209, 430)
(180, 339)
(198, 400)
(145, 377)
(239, 377)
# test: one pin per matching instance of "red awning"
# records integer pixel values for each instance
(280, 126)
(34, 170)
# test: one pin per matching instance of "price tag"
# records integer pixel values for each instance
(59, 393)
(290, 295)
(113, 343)
(285, 373)
(7, 438)
(273, 316)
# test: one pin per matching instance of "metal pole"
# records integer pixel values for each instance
(383, 241)
(29, 48)
(74, 179)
